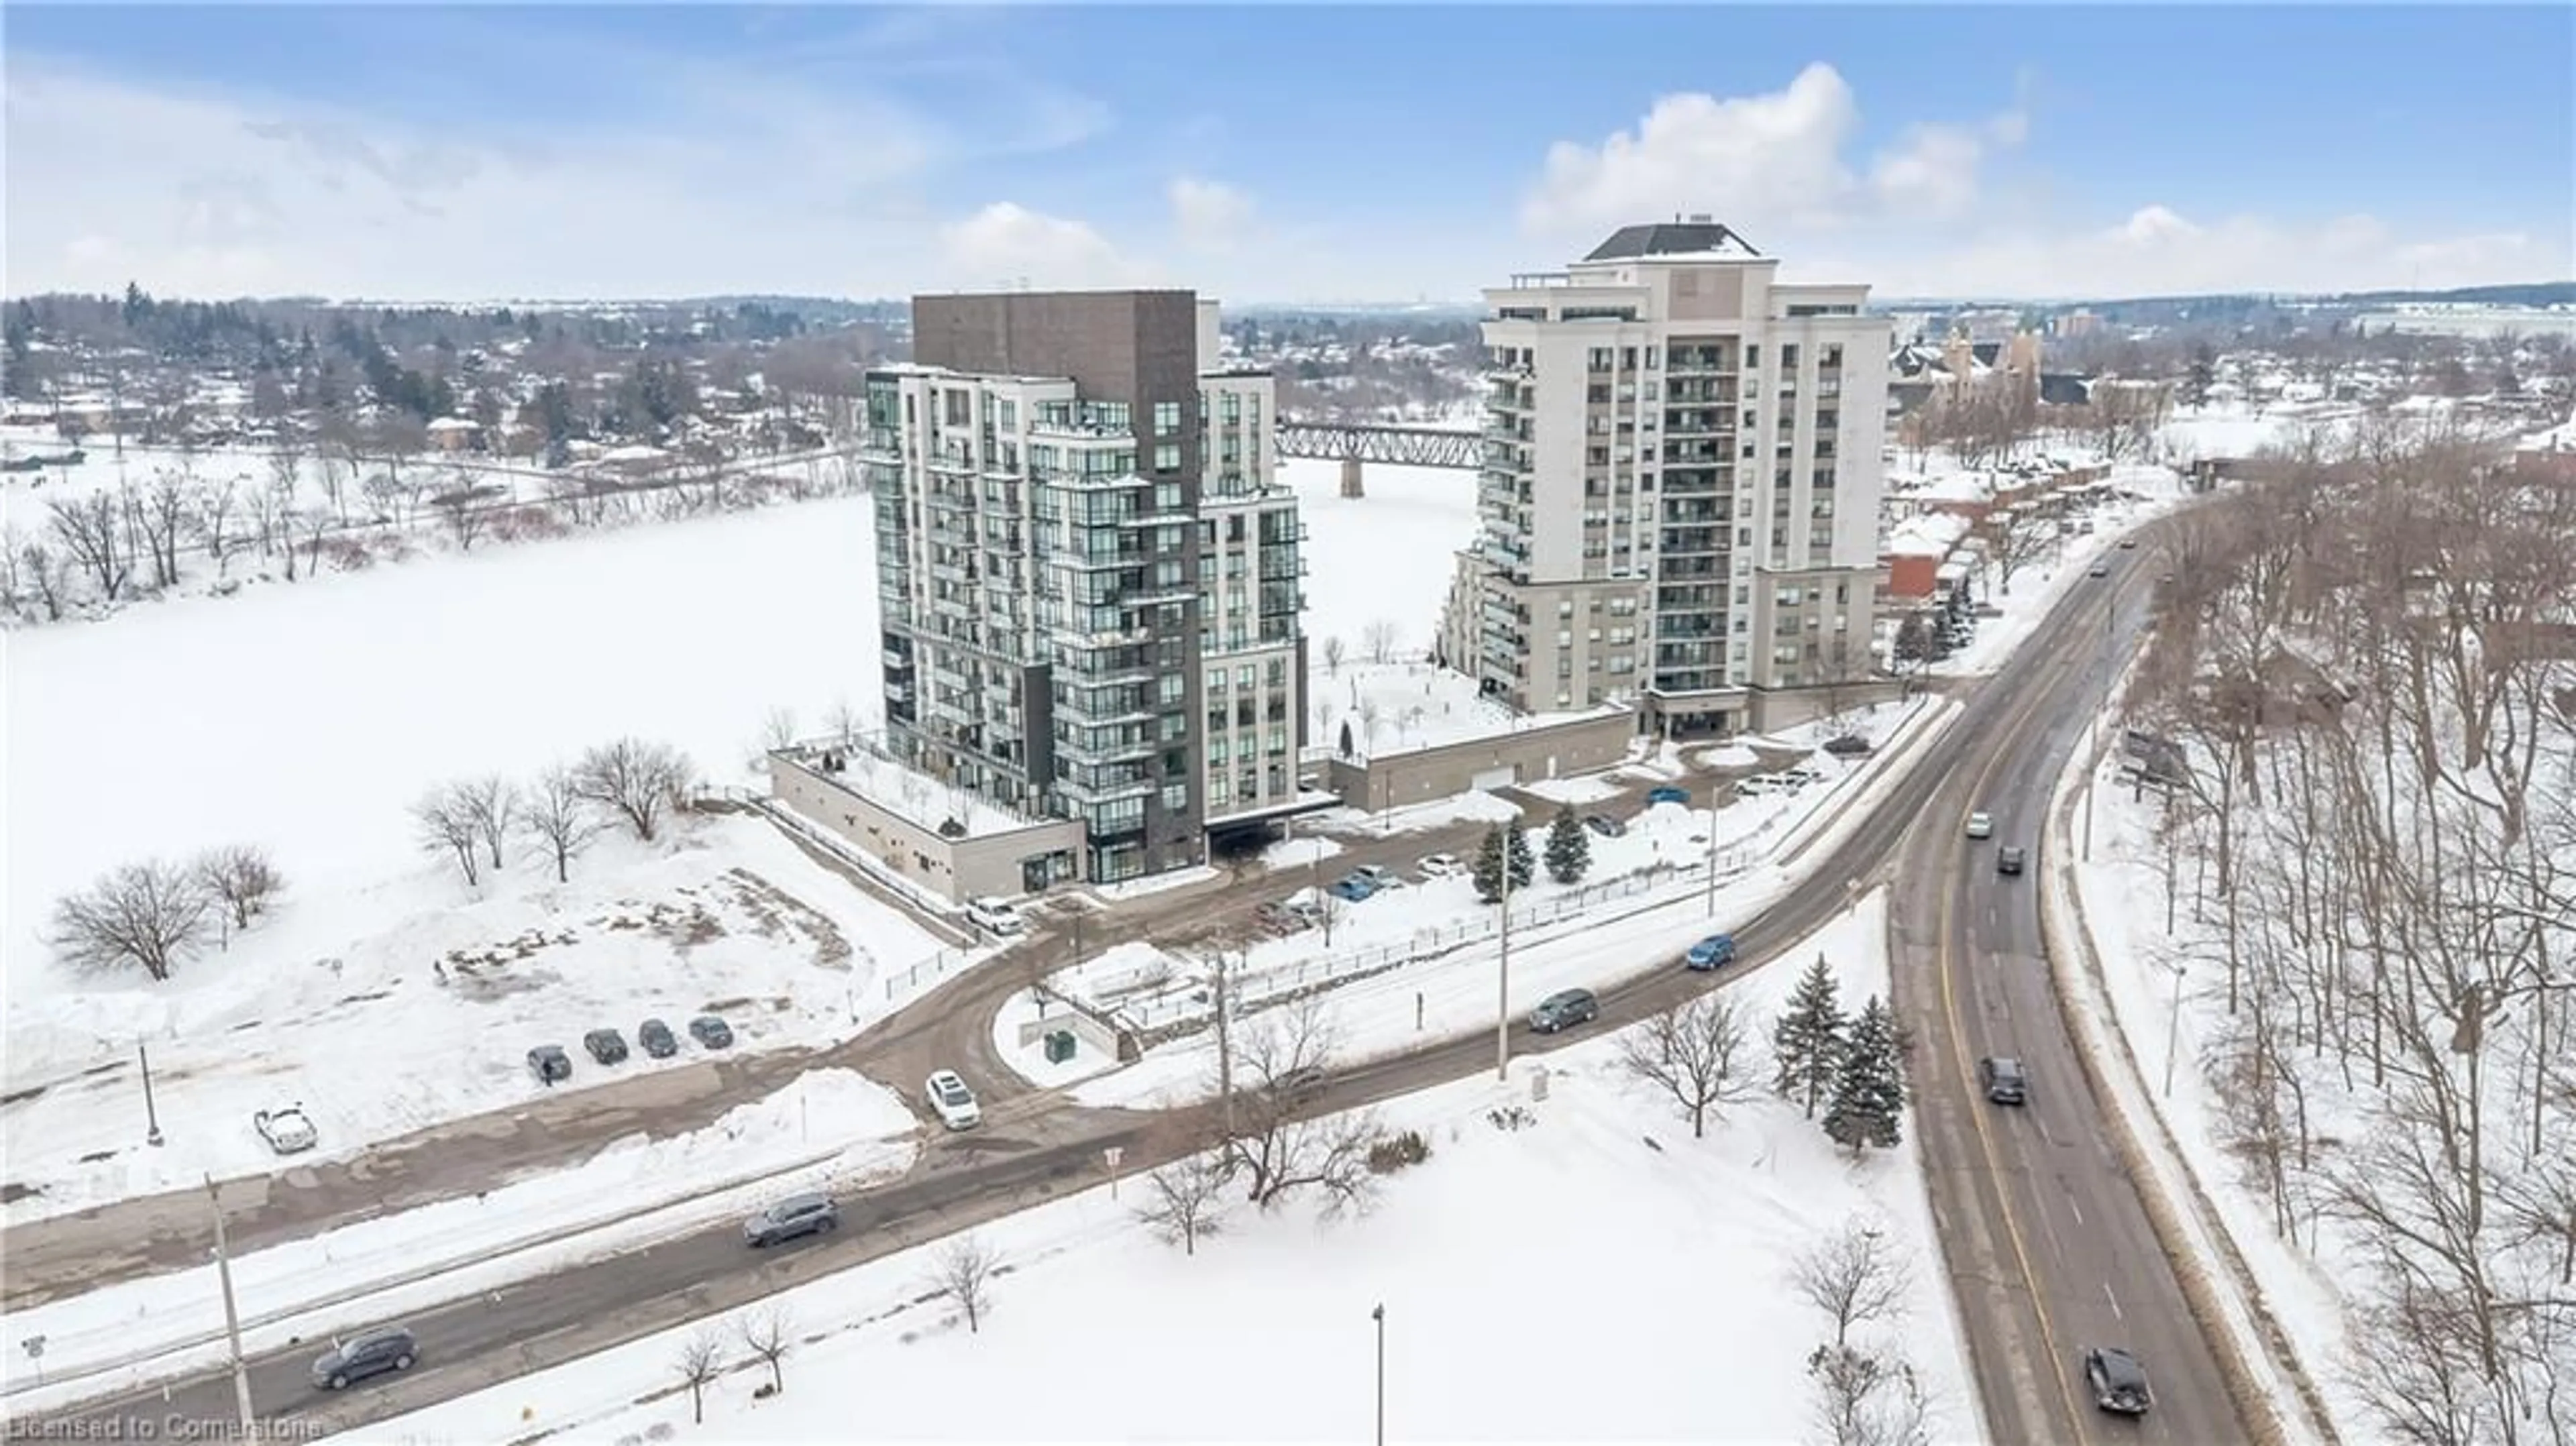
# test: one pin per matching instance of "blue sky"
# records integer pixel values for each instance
(1277, 152)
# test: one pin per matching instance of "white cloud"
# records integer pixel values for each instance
(2157, 251)
(721, 187)
(1210, 215)
(1006, 244)
(1771, 162)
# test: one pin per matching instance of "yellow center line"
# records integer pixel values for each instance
(1959, 1049)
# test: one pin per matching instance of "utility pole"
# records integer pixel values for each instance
(2173, 1029)
(1712, 847)
(232, 1317)
(1224, 1048)
(151, 1116)
(1503, 973)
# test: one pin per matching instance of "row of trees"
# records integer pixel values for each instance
(156, 915)
(631, 781)
(2364, 664)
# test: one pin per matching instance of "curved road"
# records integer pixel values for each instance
(2036, 1218)
(2034, 1195)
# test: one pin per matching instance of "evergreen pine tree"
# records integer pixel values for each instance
(1524, 860)
(1569, 851)
(1807, 1039)
(1488, 872)
(1869, 1092)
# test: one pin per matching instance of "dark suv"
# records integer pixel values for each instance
(792, 1218)
(2010, 858)
(1564, 1009)
(2119, 1383)
(657, 1039)
(2002, 1080)
(550, 1064)
(711, 1032)
(368, 1353)
(605, 1045)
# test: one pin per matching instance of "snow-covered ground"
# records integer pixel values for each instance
(393, 1008)
(1583, 1238)
(1383, 559)
(1405, 704)
(830, 1127)
(1450, 986)
(2167, 995)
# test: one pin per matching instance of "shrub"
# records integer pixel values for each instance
(1397, 1151)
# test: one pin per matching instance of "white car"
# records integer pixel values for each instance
(995, 916)
(1981, 825)
(1440, 866)
(288, 1131)
(1380, 877)
(952, 1101)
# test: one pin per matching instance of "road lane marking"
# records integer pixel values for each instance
(2116, 1312)
(1952, 856)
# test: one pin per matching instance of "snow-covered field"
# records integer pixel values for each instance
(1405, 704)
(1584, 1238)
(830, 1126)
(390, 1009)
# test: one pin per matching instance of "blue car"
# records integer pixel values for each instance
(1668, 794)
(1354, 887)
(1714, 952)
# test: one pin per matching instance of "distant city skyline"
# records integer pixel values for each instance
(1277, 154)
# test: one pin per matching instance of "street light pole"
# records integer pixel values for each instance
(232, 1317)
(1712, 850)
(151, 1116)
(2173, 1029)
(1503, 976)
(1379, 1315)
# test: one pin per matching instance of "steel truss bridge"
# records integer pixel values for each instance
(1396, 446)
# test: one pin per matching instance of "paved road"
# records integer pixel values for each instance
(2034, 1197)
(2030, 1200)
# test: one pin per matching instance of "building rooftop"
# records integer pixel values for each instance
(1698, 236)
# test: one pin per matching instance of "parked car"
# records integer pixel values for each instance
(711, 1032)
(1440, 866)
(366, 1353)
(1849, 745)
(1354, 887)
(790, 1219)
(1604, 825)
(951, 1100)
(288, 1131)
(2119, 1383)
(2002, 1080)
(1667, 794)
(2009, 859)
(1278, 918)
(1565, 1009)
(1714, 952)
(606, 1046)
(550, 1064)
(995, 916)
(1981, 824)
(1380, 877)
(656, 1039)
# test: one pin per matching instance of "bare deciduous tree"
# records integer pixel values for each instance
(559, 817)
(1698, 1055)
(964, 1272)
(1865, 1398)
(637, 780)
(447, 824)
(778, 730)
(152, 914)
(1186, 1201)
(1334, 652)
(492, 803)
(1854, 1276)
(162, 510)
(1273, 1145)
(46, 575)
(92, 535)
(1379, 639)
(769, 1333)
(700, 1361)
(842, 722)
(217, 503)
(242, 878)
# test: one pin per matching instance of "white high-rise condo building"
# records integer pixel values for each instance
(1679, 497)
